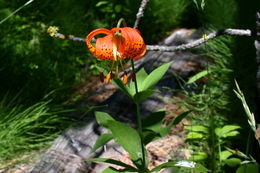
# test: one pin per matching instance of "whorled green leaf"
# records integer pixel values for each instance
(102, 140)
(248, 168)
(199, 156)
(231, 134)
(184, 164)
(103, 118)
(195, 135)
(197, 128)
(114, 162)
(226, 131)
(154, 77)
(129, 139)
(141, 96)
(229, 128)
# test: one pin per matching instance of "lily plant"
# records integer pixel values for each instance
(118, 44)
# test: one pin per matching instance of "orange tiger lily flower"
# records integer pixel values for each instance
(117, 43)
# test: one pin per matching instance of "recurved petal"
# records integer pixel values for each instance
(134, 44)
(93, 49)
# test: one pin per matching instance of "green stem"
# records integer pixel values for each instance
(248, 144)
(219, 152)
(121, 21)
(133, 69)
(138, 116)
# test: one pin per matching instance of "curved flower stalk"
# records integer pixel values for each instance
(117, 45)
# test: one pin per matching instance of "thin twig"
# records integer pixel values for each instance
(18, 9)
(140, 13)
(238, 32)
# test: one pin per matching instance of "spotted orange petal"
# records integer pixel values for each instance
(134, 44)
(123, 42)
(103, 48)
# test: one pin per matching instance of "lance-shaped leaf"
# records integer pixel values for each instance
(103, 118)
(129, 139)
(154, 77)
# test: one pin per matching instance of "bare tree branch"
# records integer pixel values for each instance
(238, 32)
(140, 13)
(235, 32)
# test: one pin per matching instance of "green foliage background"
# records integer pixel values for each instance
(37, 66)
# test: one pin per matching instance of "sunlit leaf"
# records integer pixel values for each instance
(103, 118)
(228, 130)
(231, 134)
(129, 139)
(154, 77)
(199, 156)
(225, 154)
(195, 135)
(197, 128)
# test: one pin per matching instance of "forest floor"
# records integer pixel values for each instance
(173, 146)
